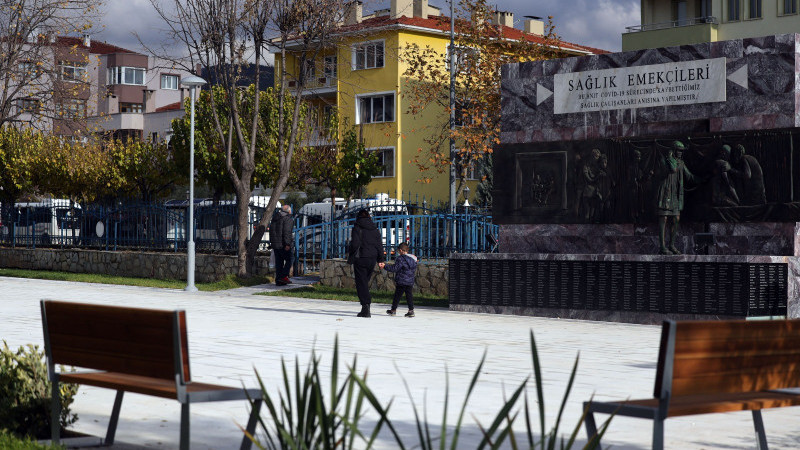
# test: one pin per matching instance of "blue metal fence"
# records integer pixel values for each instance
(163, 227)
(429, 234)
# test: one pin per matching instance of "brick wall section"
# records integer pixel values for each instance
(132, 264)
(431, 278)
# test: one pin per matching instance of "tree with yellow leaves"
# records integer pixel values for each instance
(482, 48)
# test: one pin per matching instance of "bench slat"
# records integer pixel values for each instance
(116, 339)
(740, 330)
(735, 356)
(141, 385)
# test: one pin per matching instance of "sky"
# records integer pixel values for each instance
(596, 23)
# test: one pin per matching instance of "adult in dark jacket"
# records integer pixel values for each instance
(280, 238)
(367, 247)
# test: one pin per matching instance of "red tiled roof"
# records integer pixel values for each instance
(96, 47)
(171, 107)
(442, 24)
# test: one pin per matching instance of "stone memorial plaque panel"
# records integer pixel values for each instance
(705, 288)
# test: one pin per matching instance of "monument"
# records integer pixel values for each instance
(640, 185)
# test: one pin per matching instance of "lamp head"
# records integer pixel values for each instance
(193, 81)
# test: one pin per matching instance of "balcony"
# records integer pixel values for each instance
(672, 33)
(317, 138)
(119, 121)
(317, 86)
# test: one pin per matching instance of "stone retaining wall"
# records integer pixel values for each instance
(431, 278)
(131, 264)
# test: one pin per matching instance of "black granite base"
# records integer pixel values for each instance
(579, 314)
(625, 288)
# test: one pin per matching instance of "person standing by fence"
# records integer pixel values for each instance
(280, 238)
(366, 250)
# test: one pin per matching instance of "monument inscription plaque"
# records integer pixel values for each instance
(700, 288)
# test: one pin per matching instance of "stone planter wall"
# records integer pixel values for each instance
(431, 278)
(131, 264)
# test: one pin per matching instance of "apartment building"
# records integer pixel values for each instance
(103, 88)
(668, 23)
(362, 78)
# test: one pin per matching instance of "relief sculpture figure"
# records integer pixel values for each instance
(748, 177)
(590, 192)
(722, 190)
(670, 173)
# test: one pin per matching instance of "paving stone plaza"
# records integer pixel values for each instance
(231, 333)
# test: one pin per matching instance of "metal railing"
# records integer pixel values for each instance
(126, 226)
(428, 234)
(163, 227)
(672, 24)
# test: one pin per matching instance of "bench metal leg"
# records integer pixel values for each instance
(658, 434)
(55, 413)
(251, 425)
(761, 434)
(184, 426)
(591, 429)
(112, 424)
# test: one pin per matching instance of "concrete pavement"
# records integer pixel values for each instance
(233, 333)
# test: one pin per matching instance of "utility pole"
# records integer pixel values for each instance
(452, 120)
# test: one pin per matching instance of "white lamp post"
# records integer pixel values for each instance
(193, 82)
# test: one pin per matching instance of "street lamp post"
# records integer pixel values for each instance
(452, 119)
(193, 82)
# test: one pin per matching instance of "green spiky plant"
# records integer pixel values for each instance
(501, 428)
(302, 417)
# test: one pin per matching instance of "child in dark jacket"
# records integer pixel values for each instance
(404, 268)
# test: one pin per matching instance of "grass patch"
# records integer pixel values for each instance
(10, 442)
(317, 291)
(229, 282)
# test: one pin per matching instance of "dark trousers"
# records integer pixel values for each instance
(362, 269)
(399, 291)
(283, 262)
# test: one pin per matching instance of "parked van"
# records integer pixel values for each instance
(215, 224)
(50, 221)
(387, 213)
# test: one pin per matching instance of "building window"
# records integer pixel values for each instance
(125, 75)
(72, 72)
(733, 10)
(703, 8)
(330, 67)
(375, 108)
(385, 161)
(755, 9)
(29, 105)
(789, 7)
(72, 109)
(169, 82)
(29, 69)
(679, 11)
(135, 108)
(368, 55)
(309, 70)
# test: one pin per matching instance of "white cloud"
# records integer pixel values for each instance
(123, 18)
(601, 24)
(596, 23)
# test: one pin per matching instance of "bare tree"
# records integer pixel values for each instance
(223, 36)
(43, 71)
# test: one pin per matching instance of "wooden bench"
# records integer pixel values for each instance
(717, 366)
(143, 351)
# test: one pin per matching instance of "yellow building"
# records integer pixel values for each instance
(679, 22)
(361, 77)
